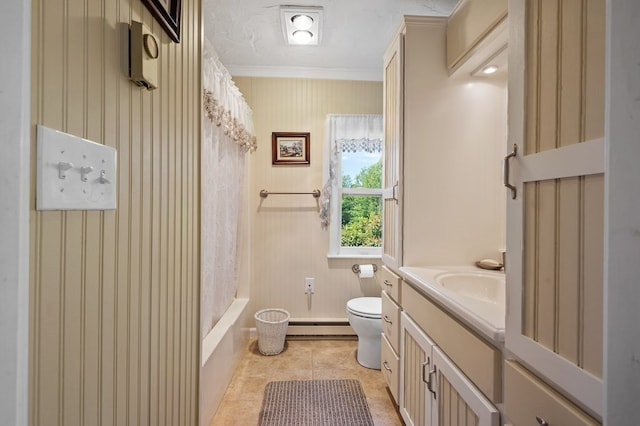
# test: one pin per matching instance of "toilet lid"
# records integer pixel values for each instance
(369, 307)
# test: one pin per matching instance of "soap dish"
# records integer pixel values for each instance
(490, 264)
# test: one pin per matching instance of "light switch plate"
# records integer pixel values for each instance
(74, 173)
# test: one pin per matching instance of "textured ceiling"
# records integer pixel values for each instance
(248, 38)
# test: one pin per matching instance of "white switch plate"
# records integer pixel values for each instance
(74, 173)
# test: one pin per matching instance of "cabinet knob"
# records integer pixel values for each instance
(387, 320)
(387, 283)
(386, 366)
(541, 421)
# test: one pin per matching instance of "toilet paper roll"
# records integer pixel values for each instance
(366, 271)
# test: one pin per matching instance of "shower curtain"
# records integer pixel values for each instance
(227, 131)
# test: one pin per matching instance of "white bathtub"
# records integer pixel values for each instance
(222, 349)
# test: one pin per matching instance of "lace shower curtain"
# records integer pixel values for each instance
(346, 133)
(227, 137)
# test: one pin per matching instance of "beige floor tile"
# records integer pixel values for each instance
(302, 360)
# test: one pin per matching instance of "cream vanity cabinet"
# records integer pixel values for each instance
(390, 359)
(433, 389)
(555, 215)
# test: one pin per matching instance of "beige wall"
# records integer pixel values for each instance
(454, 211)
(288, 243)
(114, 294)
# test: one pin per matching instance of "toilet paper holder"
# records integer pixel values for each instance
(356, 268)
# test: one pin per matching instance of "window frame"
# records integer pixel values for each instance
(336, 249)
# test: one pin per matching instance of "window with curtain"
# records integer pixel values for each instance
(352, 196)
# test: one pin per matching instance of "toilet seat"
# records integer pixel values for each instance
(367, 307)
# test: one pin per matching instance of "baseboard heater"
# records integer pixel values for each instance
(319, 327)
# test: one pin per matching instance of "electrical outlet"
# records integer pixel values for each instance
(309, 285)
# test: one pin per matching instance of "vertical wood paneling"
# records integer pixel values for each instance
(414, 388)
(392, 152)
(593, 272)
(115, 294)
(564, 217)
(569, 268)
(281, 225)
(452, 408)
(546, 264)
(594, 14)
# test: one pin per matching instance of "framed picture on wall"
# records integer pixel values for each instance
(167, 13)
(290, 149)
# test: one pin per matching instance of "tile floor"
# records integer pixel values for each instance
(301, 360)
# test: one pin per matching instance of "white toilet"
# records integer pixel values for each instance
(364, 317)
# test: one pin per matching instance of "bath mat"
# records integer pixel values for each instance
(315, 403)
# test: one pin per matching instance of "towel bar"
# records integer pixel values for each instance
(264, 193)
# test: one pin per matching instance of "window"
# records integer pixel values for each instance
(354, 190)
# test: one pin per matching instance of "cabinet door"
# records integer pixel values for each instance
(415, 364)
(457, 401)
(392, 185)
(555, 219)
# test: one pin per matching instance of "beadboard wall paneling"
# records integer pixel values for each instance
(114, 294)
(564, 218)
(288, 243)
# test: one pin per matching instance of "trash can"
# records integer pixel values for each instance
(272, 329)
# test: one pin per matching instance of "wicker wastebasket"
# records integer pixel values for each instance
(272, 329)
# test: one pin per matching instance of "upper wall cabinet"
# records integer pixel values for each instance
(555, 217)
(469, 24)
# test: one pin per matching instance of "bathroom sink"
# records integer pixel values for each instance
(485, 287)
(475, 296)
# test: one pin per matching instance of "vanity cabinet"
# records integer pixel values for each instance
(433, 390)
(390, 358)
(531, 401)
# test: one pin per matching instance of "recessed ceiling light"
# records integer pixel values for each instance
(489, 69)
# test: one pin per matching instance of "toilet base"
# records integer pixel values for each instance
(369, 353)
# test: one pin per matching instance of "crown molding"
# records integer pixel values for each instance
(358, 74)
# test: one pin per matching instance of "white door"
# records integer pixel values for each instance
(416, 365)
(457, 401)
(555, 215)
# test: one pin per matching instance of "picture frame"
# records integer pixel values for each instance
(290, 149)
(168, 13)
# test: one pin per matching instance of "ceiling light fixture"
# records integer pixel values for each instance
(302, 22)
(490, 69)
(301, 25)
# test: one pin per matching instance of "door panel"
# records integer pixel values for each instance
(555, 224)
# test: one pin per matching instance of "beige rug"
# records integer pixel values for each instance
(315, 403)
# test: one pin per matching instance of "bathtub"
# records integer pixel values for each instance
(222, 349)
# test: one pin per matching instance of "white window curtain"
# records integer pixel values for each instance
(227, 130)
(346, 133)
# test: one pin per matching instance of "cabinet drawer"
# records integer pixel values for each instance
(391, 368)
(526, 397)
(390, 283)
(479, 360)
(391, 321)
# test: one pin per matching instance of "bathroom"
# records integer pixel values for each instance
(111, 299)
(281, 224)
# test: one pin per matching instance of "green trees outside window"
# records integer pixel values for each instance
(362, 214)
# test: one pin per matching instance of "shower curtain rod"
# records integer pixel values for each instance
(264, 193)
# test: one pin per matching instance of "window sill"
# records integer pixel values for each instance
(354, 256)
